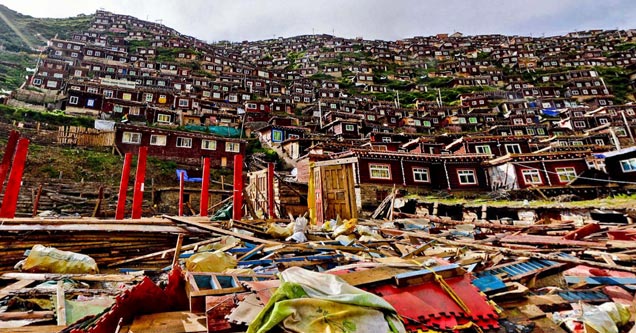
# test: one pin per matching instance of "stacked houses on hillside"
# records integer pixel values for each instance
(439, 113)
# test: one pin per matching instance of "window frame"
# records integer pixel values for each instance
(525, 173)
(421, 171)
(181, 142)
(375, 168)
(229, 147)
(567, 172)
(466, 173)
(128, 138)
(74, 100)
(155, 142)
(631, 162)
(207, 144)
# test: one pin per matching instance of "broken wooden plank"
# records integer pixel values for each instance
(177, 250)
(4, 316)
(76, 277)
(163, 253)
(583, 232)
(33, 329)
(14, 286)
(548, 240)
(211, 228)
(60, 304)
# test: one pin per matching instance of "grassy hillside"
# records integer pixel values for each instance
(33, 32)
(20, 37)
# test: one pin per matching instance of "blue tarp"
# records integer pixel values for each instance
(186, 178)
(550, 112)
(225, 131)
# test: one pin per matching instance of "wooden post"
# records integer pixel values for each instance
(12, 192)
(36, 202)
(237, 202)
(392, 204)
(60, 306)
(205, 185)
(138, 194)
(123, 188)
(9, 151)
(181, 188)
(270, 191)
(177, 250)
(98, 204)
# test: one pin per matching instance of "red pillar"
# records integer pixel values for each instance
(140, 175)
(8, 155)
(10, 199)
(237, 200)
(205, 184)
(271, 213)
(123, 188)
(181, 181)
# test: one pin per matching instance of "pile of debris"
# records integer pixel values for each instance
(424, 273)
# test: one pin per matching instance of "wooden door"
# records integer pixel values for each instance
(338, 193)
(320, 217)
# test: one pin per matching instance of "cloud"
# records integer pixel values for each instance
(373, 19)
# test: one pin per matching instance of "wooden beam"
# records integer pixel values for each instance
(13, 287)
(4, 316)
(209, 227)
(60, 306)
(33, 329)
(78, 277)
(165, 252)
(177, 250)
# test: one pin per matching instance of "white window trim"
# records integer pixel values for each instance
(208, 144)
(628, 165)
(467, 172)
(512, 146)
(380, 168)
(485, 149)
(131, 138)
(164, 118)
(421, 171)
(566, 172)
(155, 142)
(73, 100)
(232, 147)
(531, 173)
(183, 142)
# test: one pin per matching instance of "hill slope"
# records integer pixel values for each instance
(22, 35)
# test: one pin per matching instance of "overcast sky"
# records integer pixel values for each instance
(237, 20)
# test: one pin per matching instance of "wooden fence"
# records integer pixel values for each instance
(82, 136)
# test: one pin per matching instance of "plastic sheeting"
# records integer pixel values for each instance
(315, 302)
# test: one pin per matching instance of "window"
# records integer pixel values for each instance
(90, 102)
(483, 149)
(566, 174)
(386, 139)
(131, 137)
(183, 102)
(208, 144)
(134, 111)
(579, 124)
(126, 96)
(51, 84)
(158, 140)
(148, 97)
(108, 93)
(232, 147)
(380, 171)
(603, 121)
(427, 123)
(421, 175)
(531, 176)
(628, 165)
(530, 131)
(184, 142)
(540, 131)
(349, 127)
(467, 177)
(37, 82)
(163, 118)
(277, 135)
(472, 120)
(73, 100)
(599, 142)
(513, 148)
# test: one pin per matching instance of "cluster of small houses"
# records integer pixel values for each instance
(561, 130)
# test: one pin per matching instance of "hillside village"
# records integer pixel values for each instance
(439, 114)
(318, 166)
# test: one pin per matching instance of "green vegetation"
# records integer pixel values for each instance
(617, 80)
(13, 68)
(58, 118)
(35, 31)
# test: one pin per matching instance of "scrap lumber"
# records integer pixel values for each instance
(213, 229)
(13, 287)
(165, 252)
(60, 304)
(28, 315)
(583, 232)
(76, 277)
(33, 329)
(177, 250)
(552, 257)
(548, 240)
